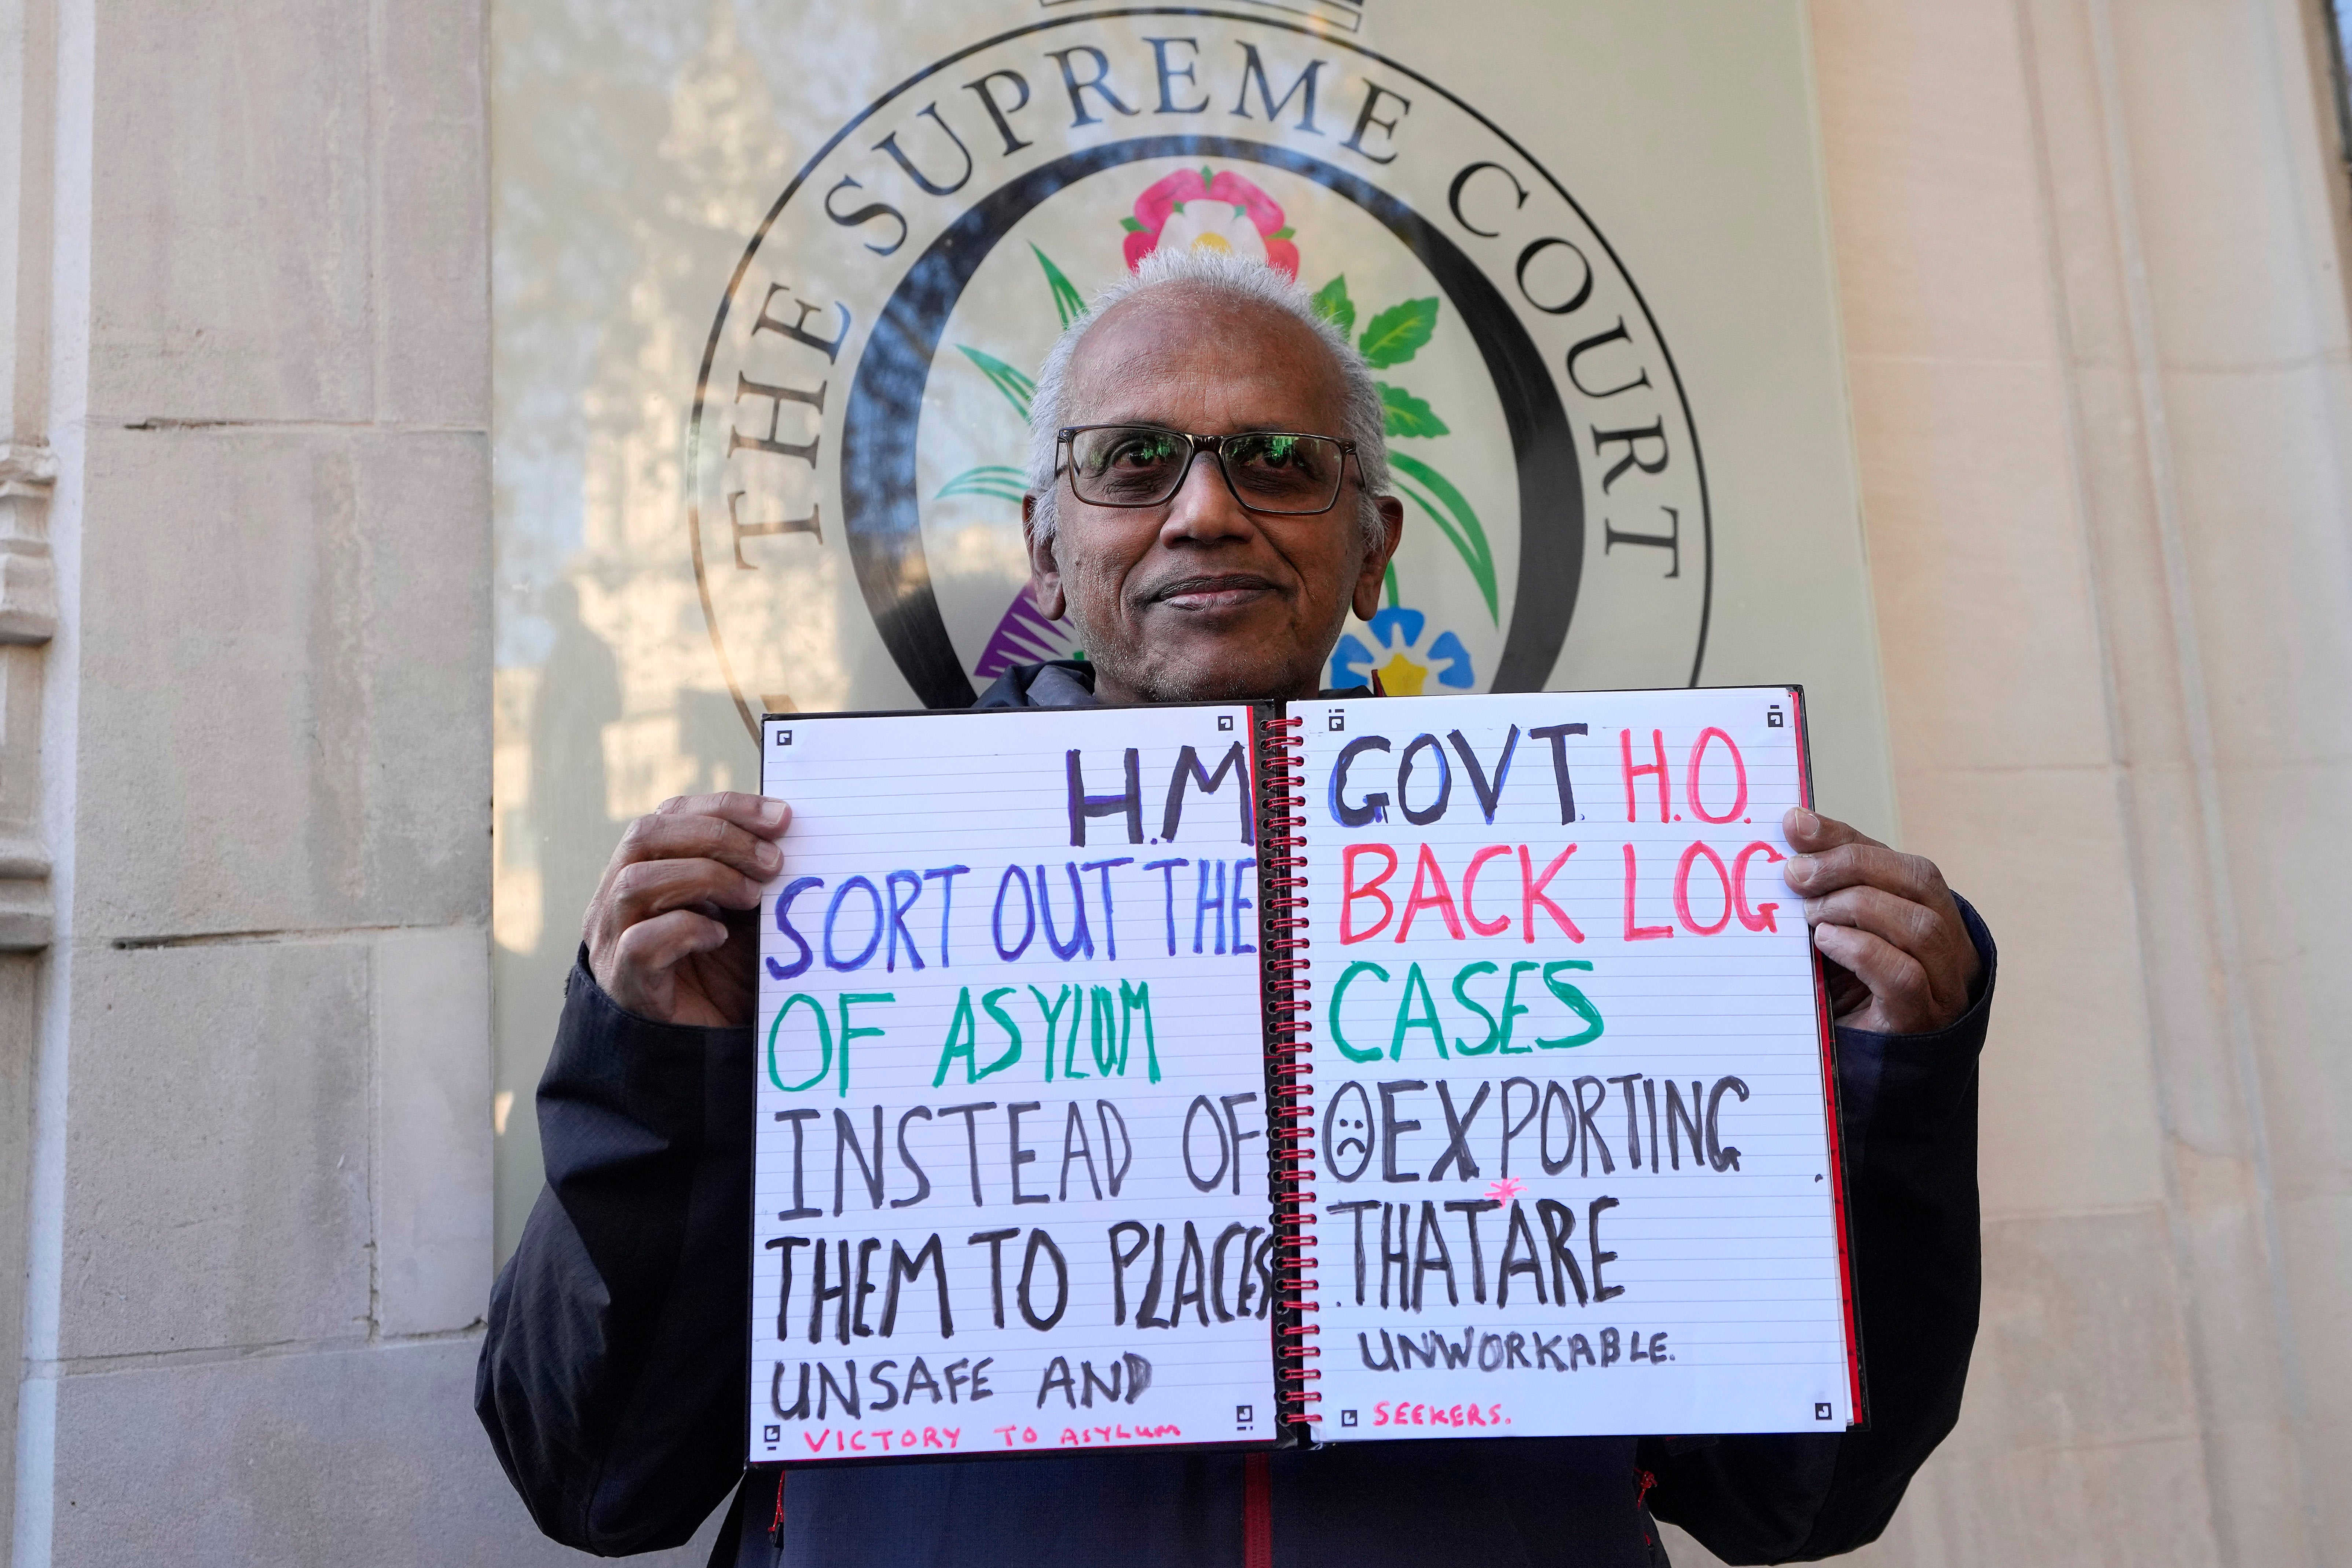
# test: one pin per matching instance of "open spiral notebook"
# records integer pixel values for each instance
(1453, 1066)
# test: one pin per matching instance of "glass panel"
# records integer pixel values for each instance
(2339, 19)
(772, 281)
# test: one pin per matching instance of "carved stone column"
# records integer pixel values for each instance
(28, 470)
(28, 588)
(28, 618)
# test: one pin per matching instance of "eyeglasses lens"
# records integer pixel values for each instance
(1284, 473)
(1128, 465)
(1137, 465)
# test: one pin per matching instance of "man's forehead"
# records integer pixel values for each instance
(1177, 355)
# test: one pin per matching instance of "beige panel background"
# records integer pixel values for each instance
(2091, 261)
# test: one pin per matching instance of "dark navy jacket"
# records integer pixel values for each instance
(613, 1374)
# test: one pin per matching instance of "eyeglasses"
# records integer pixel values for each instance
(1266, 471)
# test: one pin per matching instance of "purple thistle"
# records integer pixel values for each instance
(1023, 637)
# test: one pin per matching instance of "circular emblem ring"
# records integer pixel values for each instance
(837, 570)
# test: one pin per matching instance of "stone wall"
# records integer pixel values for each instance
(244, 1099)
(2092, 258)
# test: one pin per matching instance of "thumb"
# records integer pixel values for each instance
(1810, 832)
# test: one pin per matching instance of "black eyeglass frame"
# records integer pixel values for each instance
(1214, 446)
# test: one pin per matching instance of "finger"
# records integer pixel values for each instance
(762, 815)
(1868, 865)
(1898, 981)
(651, 887)
(641, 961)
(1914, 928)
(1808, 831)
(1847, 994)
(658, 943)
(696, 837)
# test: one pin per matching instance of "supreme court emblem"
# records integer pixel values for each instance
(858, 433)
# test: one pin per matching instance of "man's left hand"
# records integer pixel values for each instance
(1900, 961)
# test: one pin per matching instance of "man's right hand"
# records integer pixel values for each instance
(673, 932)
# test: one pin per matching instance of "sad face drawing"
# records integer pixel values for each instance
(1347, 1133)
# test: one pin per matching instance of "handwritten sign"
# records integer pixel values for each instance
(1571, 1158)
(1011, 1186)
(1574, 1166)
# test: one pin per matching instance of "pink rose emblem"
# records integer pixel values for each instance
(1195, 210)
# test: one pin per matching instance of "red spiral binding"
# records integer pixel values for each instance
(1282, 849)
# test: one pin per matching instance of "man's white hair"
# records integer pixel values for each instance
(1365, 421)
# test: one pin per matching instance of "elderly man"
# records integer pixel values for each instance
(612, 1378)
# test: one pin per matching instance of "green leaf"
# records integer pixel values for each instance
(1067, 299)
(1018, 389)
(1456, 519)
(1398, 333)
(1331, 303)
(1132, 224)
(1408, 414)
(1284, 232)
(995, 481)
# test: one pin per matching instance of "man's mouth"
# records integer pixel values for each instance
(1220, 590)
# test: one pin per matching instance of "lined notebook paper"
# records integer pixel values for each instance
(1011, 1189)
(1574, 1170)
(1335, 1071)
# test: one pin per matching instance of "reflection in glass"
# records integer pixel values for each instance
(635, 145)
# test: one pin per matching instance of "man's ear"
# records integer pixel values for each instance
(1044, 571)
(1374, 572)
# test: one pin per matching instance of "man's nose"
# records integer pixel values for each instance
(1205, 506)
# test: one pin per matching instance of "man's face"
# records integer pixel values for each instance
(1202, 599)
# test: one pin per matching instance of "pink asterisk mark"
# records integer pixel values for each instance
(1506, 1189)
